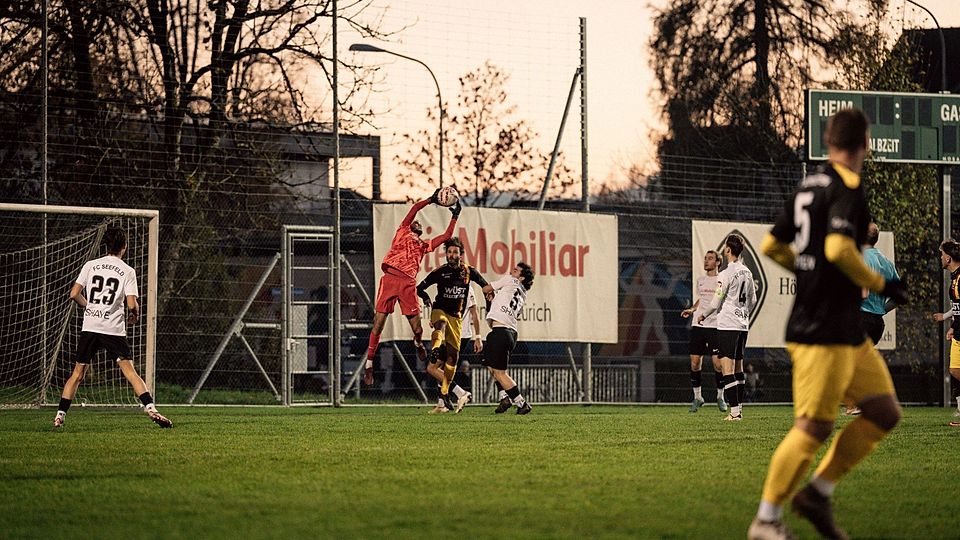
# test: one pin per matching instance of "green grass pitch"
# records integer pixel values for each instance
(560, 472)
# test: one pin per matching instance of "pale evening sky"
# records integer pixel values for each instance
(537, 43)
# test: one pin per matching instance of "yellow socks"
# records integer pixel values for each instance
(436, 339)
(789, 465)
(448, 373)
(850, 446)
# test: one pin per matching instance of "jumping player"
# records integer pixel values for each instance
(109, 283)
(509, 295)
(398, 284)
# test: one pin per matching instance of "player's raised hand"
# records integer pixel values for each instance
(455, 210)
(433, 198)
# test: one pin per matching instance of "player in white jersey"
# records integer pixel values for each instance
(469, 331)
(735, 299)
(703, 337)
(110, 284)
(509, 294)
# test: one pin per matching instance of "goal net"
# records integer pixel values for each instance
(42, 249)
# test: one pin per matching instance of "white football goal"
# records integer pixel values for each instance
(42, 249)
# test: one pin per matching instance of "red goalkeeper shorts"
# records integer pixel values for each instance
(397, 287)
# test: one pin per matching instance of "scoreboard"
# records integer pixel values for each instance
(904, 127)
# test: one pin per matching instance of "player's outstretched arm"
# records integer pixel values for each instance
(76, 294)
(447, 233)
(477, 278)
(412, 213)
(717, 299)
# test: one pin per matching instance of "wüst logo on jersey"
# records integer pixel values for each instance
(751, 260)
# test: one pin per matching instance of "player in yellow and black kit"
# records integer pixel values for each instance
(446, 316)
(950, 261)
(833, 360)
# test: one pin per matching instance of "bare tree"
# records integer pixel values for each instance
(164, 103)
(489, 147)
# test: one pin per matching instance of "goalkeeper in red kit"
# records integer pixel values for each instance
(398, 284)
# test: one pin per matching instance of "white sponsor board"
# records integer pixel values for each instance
(574, 257)
(776, 287)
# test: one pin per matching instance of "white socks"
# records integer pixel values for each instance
(459, 392)
(825, 487)
(697, 393)
(769, 512)
(151, 408)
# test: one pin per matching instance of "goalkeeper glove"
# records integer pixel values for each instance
(455, 210)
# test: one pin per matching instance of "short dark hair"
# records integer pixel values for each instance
(873, 234)
(847, 130)
(951, 248)
(115, 239)
(716, 256)
(453, 242)
(526, 275)
(735, 243)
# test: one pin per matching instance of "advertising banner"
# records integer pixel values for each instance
(573, 255)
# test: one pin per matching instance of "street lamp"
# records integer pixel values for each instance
(363, 47)
(943, 49)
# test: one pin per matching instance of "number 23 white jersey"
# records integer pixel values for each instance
(107, 282)
(508, 302)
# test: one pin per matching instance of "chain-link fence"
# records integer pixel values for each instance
(231, 141)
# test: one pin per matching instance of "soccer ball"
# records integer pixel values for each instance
(448, 196)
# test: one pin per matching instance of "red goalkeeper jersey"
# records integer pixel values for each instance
(407, 249)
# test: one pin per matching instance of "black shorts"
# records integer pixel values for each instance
(731, 343)
(499, 345)
(703, 341)
(90, 342)
(873, 325)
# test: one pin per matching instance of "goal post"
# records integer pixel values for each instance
(42, 249)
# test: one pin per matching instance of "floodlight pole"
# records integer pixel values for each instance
(336, 323)
(363, 47)
(946, 209)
